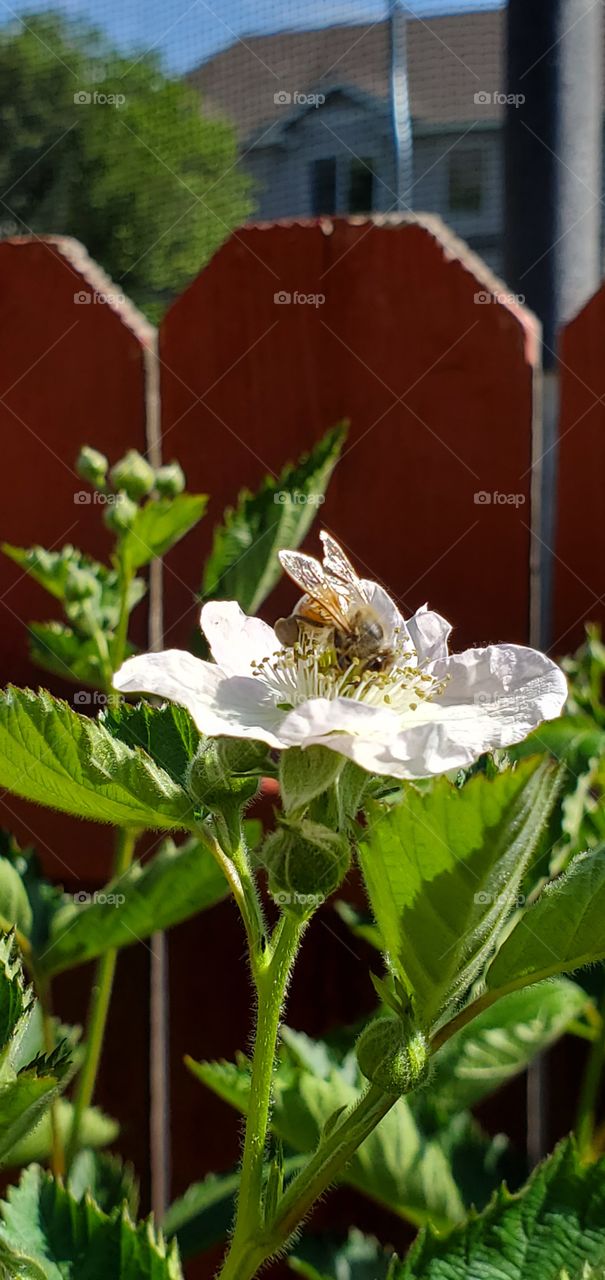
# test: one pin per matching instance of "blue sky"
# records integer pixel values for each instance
(186, 31)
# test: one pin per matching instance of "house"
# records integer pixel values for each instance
(313, 115)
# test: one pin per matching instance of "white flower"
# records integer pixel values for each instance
(429, 711)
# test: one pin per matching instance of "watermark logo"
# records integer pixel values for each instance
(484, 499)
(483, 298)
(84, 499)
(487, 98)
(296, 498)
(300, 899)
(284, 299)
(84, 98)
(94, 698)
(509, 900)
(85, 299)
(297, 99)
(83, 899)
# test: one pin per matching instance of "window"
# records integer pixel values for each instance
(323, 186)
(361, 186)
(465, 180)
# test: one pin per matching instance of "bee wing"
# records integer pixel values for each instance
(309, 575)
(338, 567)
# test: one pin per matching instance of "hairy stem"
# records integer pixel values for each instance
(271, 985)
(98, 1008)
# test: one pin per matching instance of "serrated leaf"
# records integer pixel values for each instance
(243, 564)
(561, 932)
(443, 871)
(107, 1178)
(554, 1225)
(52, 755)
(96, 1130)
(501, 1042)
(45, 1226)
(166, 733)
(159, 525)
(178, 882)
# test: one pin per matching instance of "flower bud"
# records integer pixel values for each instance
(306, 862)
(211, 783)
(170, 480)
(80, 584)
(119, 516)
(394, 1054)
(92, 467)
(134, 475)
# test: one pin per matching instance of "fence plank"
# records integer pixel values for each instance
(580, 541)
(437, 385)
(71, 372)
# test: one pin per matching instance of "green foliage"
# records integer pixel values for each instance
(109, 1181)
(149, 185)
(554, 1227)
(166, 733)
(243, 564)
(96, 1130)
(159, 525)
(28, 1084)
(358, 1258)
(45, 1231)
(563, 931)
(444, 870)
(174, 885)
(51, 755)
(202, 1217)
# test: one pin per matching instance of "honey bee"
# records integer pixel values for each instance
(333, 598)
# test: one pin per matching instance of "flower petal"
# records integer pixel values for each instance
(319, 719)
(234, 707)
(429, 633)
(237, 642)
(392, 621)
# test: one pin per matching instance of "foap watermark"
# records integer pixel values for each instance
(487, 98)
(297, 99)
(485, 499)
(94, 698)
(484, 297)
(509, 900)
(284, 299)
(295, 498)
(83, 899)
(84, 499)
(299, 899)
(96, 98)
(85, 299)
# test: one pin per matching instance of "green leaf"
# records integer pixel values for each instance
(166, 733)
(43, 897)
(443, 871)
(65, 653)
(77, 581)
(45, 1226)
(563, 931)
(554, 1226)
(501, 1042)
(362, 926)
(159, 525)
(202, 1217)
(96, 1130)
(359, 1257)
(243, 563)
(175, 884)
(107, 1178)
(15, 908)
(51, 755)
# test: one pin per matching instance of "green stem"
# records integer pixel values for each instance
(272, 984)
(121, 632)
(99, 1007)
(48, 1034)
(322, 1169)
(233, 847)
(587, 1106)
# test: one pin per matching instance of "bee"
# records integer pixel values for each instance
(333, 598)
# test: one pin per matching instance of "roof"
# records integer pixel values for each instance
(450, 60)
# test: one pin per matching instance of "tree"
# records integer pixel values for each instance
(115, 152)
